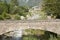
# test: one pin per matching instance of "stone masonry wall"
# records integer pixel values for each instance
(47, 25)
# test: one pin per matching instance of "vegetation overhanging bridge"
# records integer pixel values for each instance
(47, 25)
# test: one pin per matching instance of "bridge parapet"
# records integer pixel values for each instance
(47, 25)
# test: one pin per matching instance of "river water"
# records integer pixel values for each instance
(17, 35)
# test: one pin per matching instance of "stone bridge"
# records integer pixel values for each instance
(47, 25)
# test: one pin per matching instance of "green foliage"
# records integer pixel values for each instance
(52, 38)
(23, 11)
(6, 16)
(13, 7)
(29, 37)
(43, 15)
(58, 37)
(1, 18)
(14, 2)
(44, 35)
(52, 7)
(7, 10)
(35, 32)
(17, 17)
(3, 7)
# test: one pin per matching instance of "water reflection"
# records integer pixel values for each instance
(4, 37)
(17, 35)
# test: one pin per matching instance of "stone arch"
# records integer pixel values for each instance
(10, 35)
(47, 33)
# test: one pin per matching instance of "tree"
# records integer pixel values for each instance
(23, 11)
(52, 7)
(5, 16)
(3, 7)
(0, 0)
(13, 6)
(7, 9)
(14, 2)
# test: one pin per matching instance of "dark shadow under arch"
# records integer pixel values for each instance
(45, 36)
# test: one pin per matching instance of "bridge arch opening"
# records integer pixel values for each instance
(28, 33)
